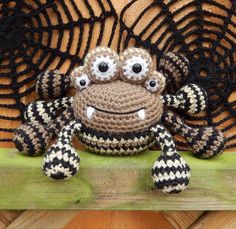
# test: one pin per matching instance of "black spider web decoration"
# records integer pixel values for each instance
(202, 30)
(45, 34)
(56, 34)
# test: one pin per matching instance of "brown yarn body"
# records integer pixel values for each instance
(116, 105)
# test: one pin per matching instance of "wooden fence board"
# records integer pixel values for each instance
(42, 219)
(6, 217)
(182, 219)
(115, 183)
(119, 220)
(216, 220)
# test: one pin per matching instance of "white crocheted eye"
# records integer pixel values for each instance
(82, 81)
(104, 68)
(102, 64)
(136, 64)
(152, 85)
(79, 78)
(136, 68)
(156, 82)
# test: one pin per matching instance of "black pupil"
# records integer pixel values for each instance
(82, 83)
(137, 68)
(103, 67)
(152, 83)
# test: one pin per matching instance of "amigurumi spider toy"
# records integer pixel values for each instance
(118, 109)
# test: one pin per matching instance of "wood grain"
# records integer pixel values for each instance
(6, 217)
(119, 220)
(117, 183)
(216, 220)
(42, 219)
(182, 219)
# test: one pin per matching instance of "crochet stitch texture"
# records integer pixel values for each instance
(118, 112)
(39, 35)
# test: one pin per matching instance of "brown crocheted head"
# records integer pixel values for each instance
(118, 94)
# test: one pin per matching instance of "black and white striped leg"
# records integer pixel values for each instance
(61, 161)
(52, 84)
(45, 112)
(170, 173)
(206, 142)
(33, 138)
(191, 98)
(175, 68)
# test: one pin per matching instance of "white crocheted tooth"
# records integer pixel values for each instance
(89, 112)
(109, 73)
(128, 68)
(142, 114)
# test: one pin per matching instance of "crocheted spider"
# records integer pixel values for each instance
(118, 109)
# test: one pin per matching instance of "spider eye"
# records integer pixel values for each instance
(82, 81)
(103, 67)
(152, 85)
(137, 68)
(102, 64)
(136, 64)
(79, 78)
(155, 83)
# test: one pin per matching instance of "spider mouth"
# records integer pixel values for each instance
(91, 110)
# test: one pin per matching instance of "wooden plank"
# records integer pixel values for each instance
(182, 219)
(216, 220)
(134, 219)
(6, 217)
(113, 219)
(119, 220)
(119, 183)
(43, 219)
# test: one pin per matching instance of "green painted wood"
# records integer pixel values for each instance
(115, 183)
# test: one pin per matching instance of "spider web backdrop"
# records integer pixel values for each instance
(204, 31)
(56, 34)
(38, 35)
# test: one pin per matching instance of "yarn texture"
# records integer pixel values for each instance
(38, 36)
(118, 109)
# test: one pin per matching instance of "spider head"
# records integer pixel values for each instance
(118, 93)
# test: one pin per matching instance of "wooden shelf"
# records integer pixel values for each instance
(121, 183)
